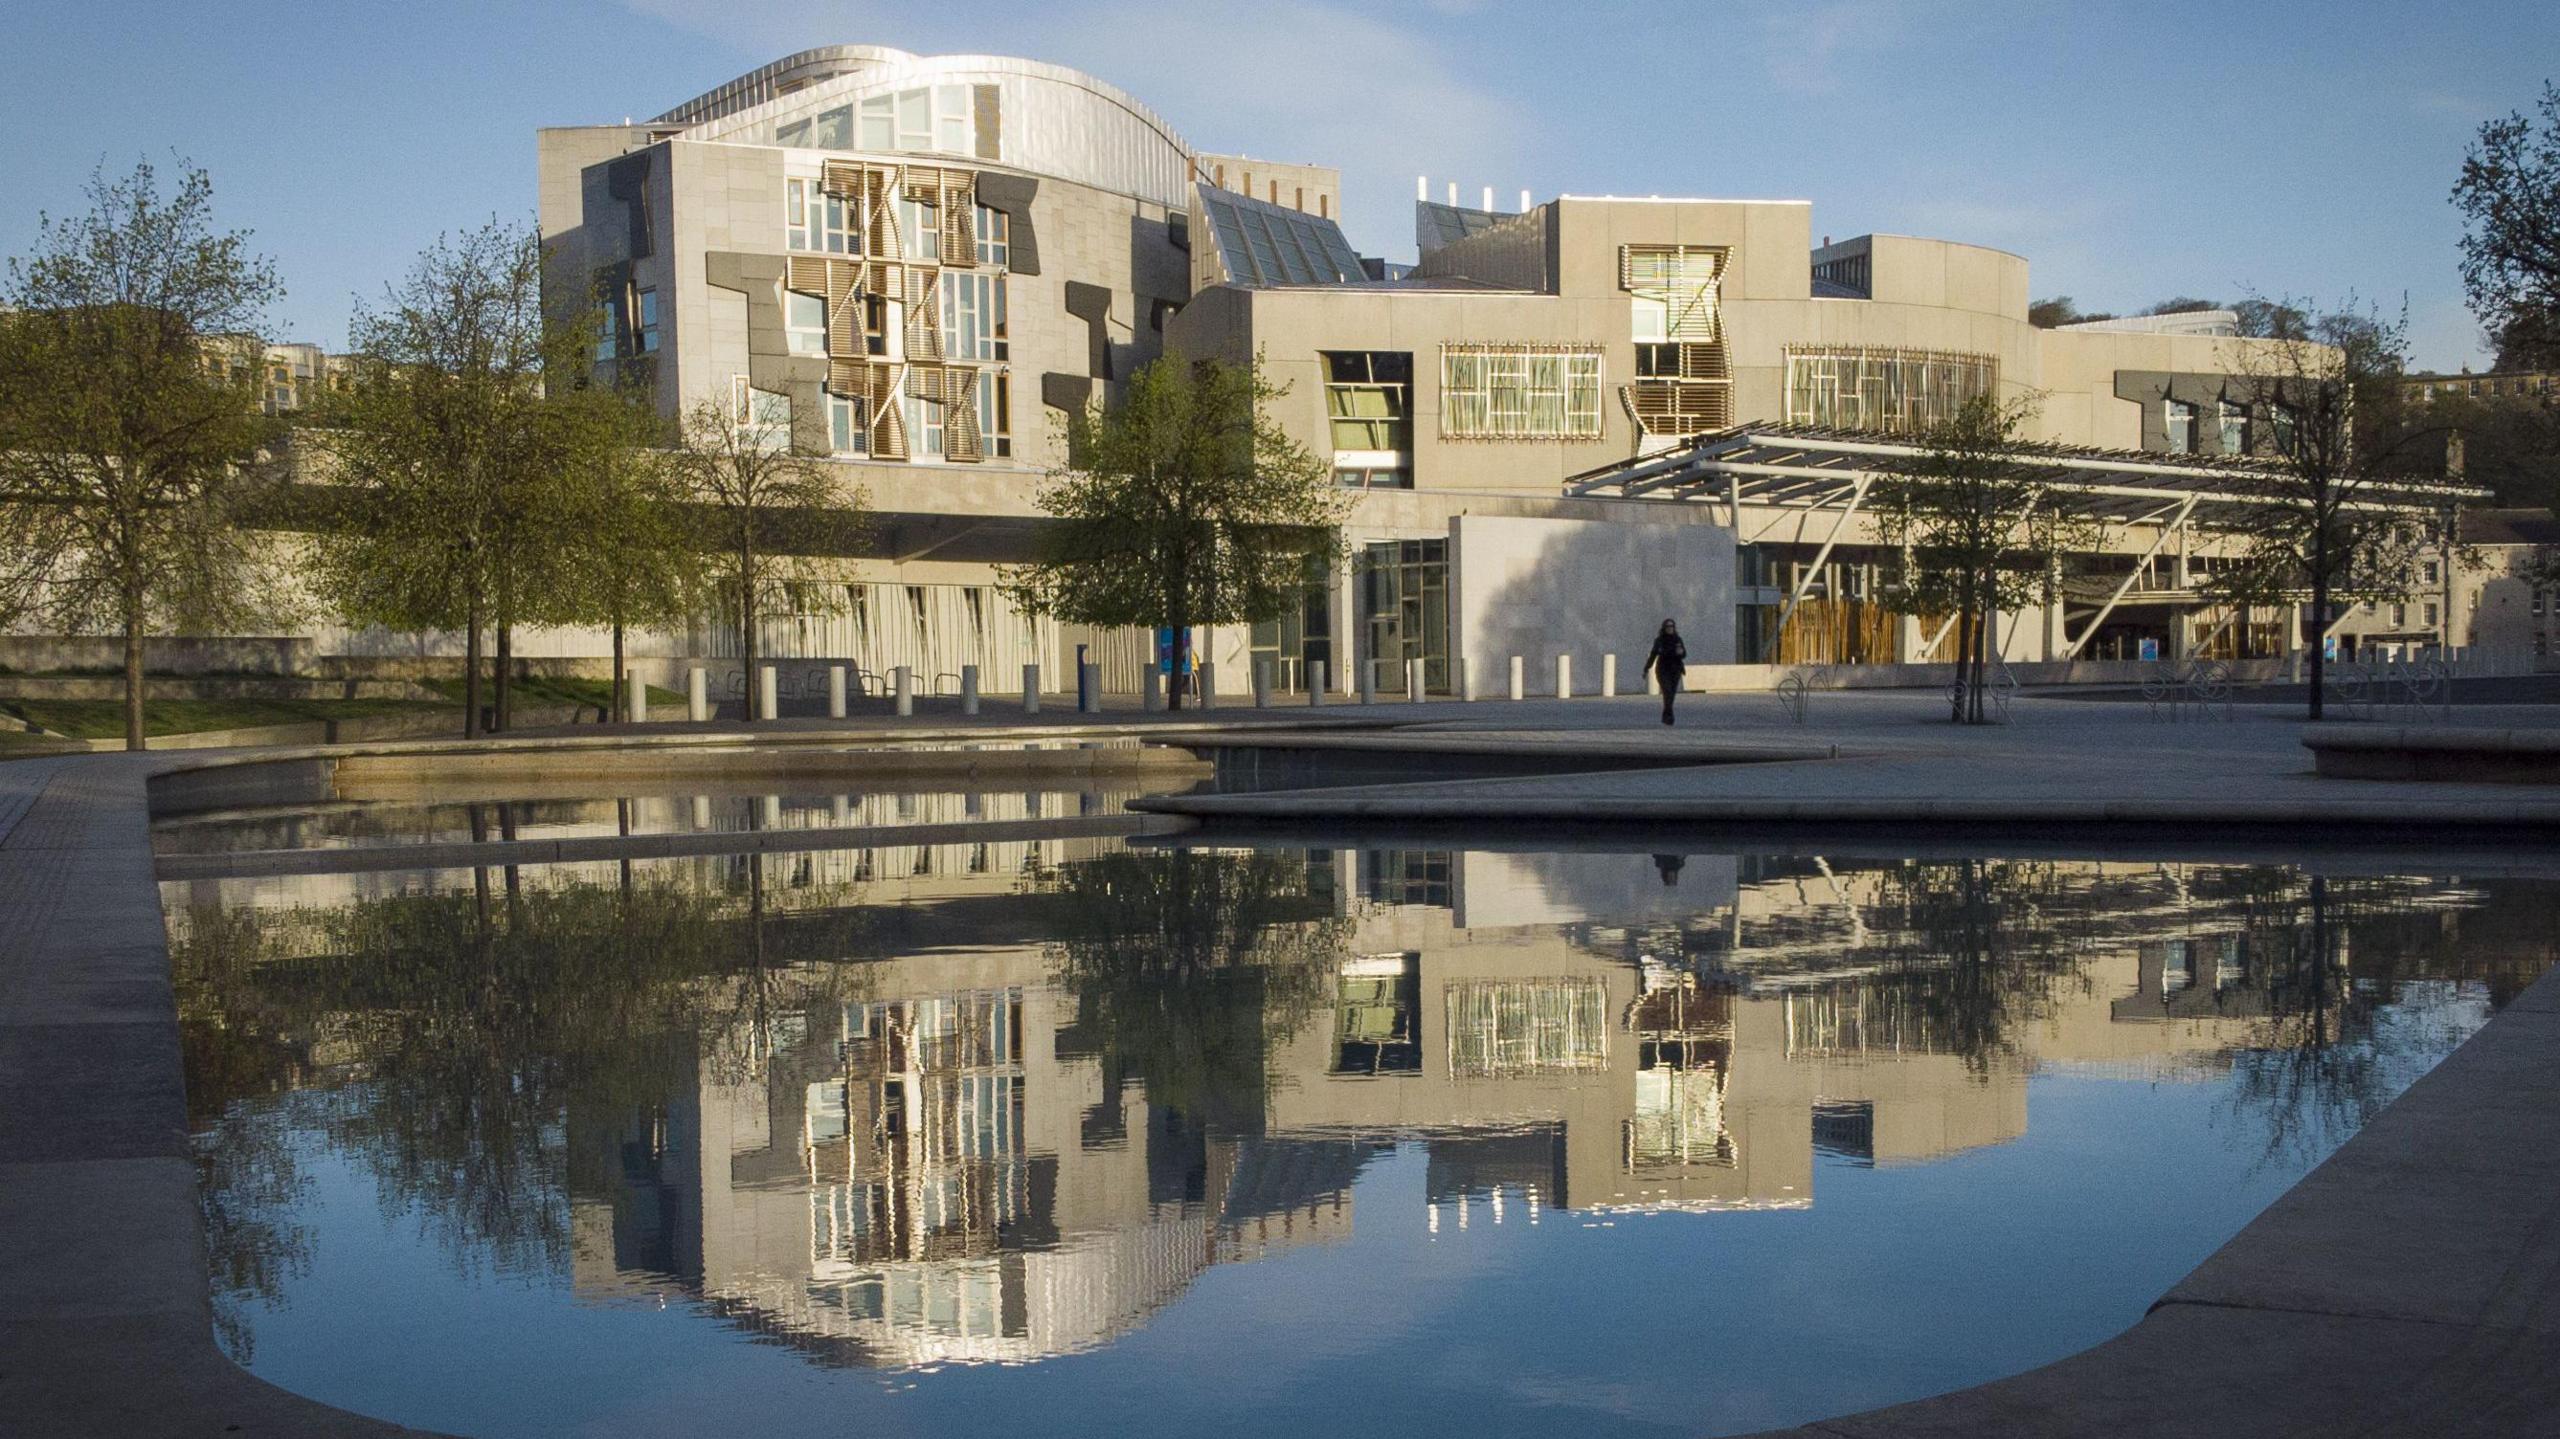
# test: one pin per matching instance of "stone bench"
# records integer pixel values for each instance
(2512, 756)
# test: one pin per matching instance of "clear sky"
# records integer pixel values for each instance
(2131, 152)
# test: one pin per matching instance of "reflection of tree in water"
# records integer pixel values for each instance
(1975, 949)
(456, 1028)
(1190, 967)
(2358, 980)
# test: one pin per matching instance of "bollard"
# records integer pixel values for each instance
(835, 692)
(697, 696)
(1089, 688)
(1564, 677)
(1315, 682)
(771, 812)
(1031, 689)
(1413, 682)
(1151, 690)
(1609, 676)
(968, 689)
(1519, 678)
(1262, 684)
(1368, 681)
(768, 694)
(904, 679)
(1204, 685)
(1466, 678)
(636, 696)
(701, 806)
(840, 810)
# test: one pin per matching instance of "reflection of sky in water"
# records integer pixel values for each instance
(1562, 1151)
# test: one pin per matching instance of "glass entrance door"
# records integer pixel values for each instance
(1404, 611)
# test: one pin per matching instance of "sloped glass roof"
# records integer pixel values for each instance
(1266, 245)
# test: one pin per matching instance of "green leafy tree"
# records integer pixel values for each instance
(2509, 196)
(1185, 505)
(769, 518)
(638, 560)
(130, 430)
(465, 448)
(1979, 532)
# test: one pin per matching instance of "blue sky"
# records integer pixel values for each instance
(2130, 151)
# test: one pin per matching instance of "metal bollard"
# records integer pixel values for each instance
(697, 696)
(904, 680)
(1368, 681)
(1315, 682)
(1204, 685)
(1609, 676)
(840, 810)
(770, 811)
(1262, 684)
(968, 689)
(1564, 677)
(1466, 678)
(635, 695)
(835, 692)
(701, 807)
(1519, 678)
(1089, 689)
(1031, 689)
(1151, 690)
(1413, 682)
(768, 693)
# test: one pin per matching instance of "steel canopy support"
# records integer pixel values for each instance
(2071, 651)
(1857, 497)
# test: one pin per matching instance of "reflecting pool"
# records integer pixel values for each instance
(1089, 1139)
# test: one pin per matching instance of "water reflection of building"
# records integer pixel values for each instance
(949, 1167)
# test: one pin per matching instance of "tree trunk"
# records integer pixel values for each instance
(747, 639)
(133, 670)
(2319, 611)
(1179, 680)
(616, 708)
(471, 674)
(506, 675)
(1964, 651)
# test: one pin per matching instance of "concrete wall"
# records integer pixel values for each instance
(1538, 588)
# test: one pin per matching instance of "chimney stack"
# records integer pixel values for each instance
(1422, 187)
(1524, 202)
(1453, 194)
(1488, 197)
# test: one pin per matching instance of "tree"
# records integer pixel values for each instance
(2509, 196)
(130, 369)
(768, 515)
(464, 446)
(2341, 510)
(1978, 534)
(638, 560)
(1186, 505)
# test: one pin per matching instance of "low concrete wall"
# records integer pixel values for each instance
(2474, 755)
(211, 687)
(1714, 678)
(54, 654)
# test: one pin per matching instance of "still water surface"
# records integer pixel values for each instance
(1074, 1139)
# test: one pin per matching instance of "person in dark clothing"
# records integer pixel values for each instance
(1668, 662)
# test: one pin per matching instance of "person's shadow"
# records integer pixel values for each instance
(1669, 867)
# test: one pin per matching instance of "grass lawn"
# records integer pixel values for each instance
(104, 719)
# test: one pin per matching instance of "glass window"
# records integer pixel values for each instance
(919, 228)
(1899, 391)
(915, 120)
(648, 305)
(2178, 421)
(880, 123)
(835, 129)
(1519, 392)
(1367, 398)
(995, 238)
(924, 429)
(848, 432)
(762, 417)
(995, 412)
(951, 118)
(2235, 428)
(805, 322)
(815, 220)
(792, 134)
(973, 318)
(608, 330)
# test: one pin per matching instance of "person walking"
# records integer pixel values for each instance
(1668, 662)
